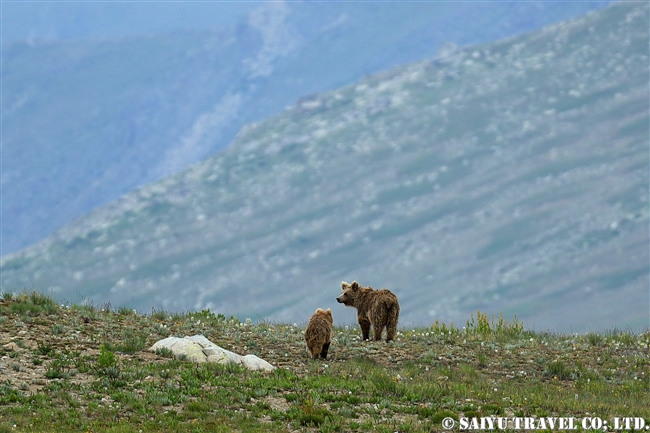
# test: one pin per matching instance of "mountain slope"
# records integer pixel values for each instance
(111, 20)
(87, 121)
(511, 176)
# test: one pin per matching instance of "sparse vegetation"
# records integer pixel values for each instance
(87, 379)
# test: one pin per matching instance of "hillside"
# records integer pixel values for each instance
(56, 21)
(86, 120)
(509, 177)
(87, 369)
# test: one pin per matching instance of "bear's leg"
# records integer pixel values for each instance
(391, 327)
(377, 330)
(378, 322)
(314, 351)
(365, 328)
(323, 353)
(391, 331)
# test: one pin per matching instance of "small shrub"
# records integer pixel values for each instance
(123, 311)
(485, 327)
(160, 315)
(112, 373)
(353, 399)
(558, 370)
(106, 358)
(310, 415)
(86, 309)
(492, 409)
(33, 304)
(165, 352)
(623, 337)
(594, 339)
(21, 308)
(385, 385)
(196, 406)
(82, 363)
(131, 343)
(441, 328)
(41, 299)
(57, 329)
(8, 394)
(438, 416)
(482, 359)
(44, 349)
(426, 411)
(57, 369)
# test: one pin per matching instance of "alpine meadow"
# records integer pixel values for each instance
(499, 191)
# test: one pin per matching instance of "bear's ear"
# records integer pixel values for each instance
(344, 285)
(319, 310)
(355, 286)
(328, 312)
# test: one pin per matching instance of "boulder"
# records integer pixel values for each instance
(197, 348)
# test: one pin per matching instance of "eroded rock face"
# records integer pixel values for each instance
(197, 348)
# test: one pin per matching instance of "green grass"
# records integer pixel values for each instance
(88, 377)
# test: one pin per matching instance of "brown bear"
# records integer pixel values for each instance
(318, 334)
(376, 308)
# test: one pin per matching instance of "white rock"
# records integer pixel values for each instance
(252, 362)
(197, 348)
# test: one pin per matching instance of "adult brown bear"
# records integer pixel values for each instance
(376, 308)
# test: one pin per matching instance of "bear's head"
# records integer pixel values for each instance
(327, 314)
(349, 293)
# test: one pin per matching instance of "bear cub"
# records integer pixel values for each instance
(318, 334)
(376, 308)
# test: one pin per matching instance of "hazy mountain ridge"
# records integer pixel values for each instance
(510, 176)
(87, 121)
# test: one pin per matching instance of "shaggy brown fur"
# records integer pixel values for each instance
(376, 308)
(318, 334)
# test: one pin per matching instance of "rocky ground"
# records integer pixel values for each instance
(57, 361)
